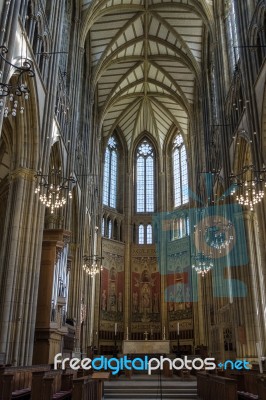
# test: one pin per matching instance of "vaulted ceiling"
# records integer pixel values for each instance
(145, 60)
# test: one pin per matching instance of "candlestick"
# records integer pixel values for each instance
(164, 333)
(115, 328)
(178, 329)
(127, 333)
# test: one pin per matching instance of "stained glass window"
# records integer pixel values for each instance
(145, 177)
(149, 234)
(103, 227)
(141, 234)
(110, 174)
(180, 172)
(109, 229)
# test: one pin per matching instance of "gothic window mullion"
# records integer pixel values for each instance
(110, 174)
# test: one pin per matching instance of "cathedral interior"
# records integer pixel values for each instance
(132, 177)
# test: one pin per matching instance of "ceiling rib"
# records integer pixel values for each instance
(146, 58)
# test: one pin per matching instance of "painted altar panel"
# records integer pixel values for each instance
(145, 287)
(179, 284)
(112, 283)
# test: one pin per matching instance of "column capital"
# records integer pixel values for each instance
(74, 246)
(25, 173)
(248, 214)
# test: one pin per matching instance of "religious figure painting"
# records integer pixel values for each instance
(145, 296)
(112, 293)
(179, 296)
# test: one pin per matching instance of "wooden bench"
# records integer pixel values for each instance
(35, 383)
(261, 384)
(254, 388)
(247, 396)
(100, 377)
(45, 384)
(15, 382)
(52, 387)
(85, 388)
(10, 388)
(216, 387)
(250, 384)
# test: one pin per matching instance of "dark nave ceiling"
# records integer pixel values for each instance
(146, 59)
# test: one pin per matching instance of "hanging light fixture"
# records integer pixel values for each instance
(202, 263)
(53, 189)
(248, 186)
(90, 265)
(219, 234)
(11, 93)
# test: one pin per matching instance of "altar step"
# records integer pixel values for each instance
(128, 390)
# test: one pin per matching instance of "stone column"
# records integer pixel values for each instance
(49, 334)
(255, 314)
(20, 256)
(128, 239)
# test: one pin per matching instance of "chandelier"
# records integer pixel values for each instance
(219, 234)
(248, 186)
(202, 263)
(91, 266)
(54, 189)
(16, 90)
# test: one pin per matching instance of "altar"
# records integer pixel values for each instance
(146, 347)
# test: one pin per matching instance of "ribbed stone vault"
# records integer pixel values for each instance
(145, 60)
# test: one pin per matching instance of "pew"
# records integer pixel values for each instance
(247, 383)
(15, 382)
(100, 377)
(52, 387)
(254, 386)
(261, 384)
(85, 388)
(35, 383)
(42, 383)
(216, 387)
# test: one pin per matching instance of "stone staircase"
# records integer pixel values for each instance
(150, 390)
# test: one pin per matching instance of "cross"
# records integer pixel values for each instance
(146, 335)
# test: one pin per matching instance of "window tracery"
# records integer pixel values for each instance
(180, 171)
(145, 177)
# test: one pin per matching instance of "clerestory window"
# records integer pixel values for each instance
(110, 174)
(145, 175)
(180, 171)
